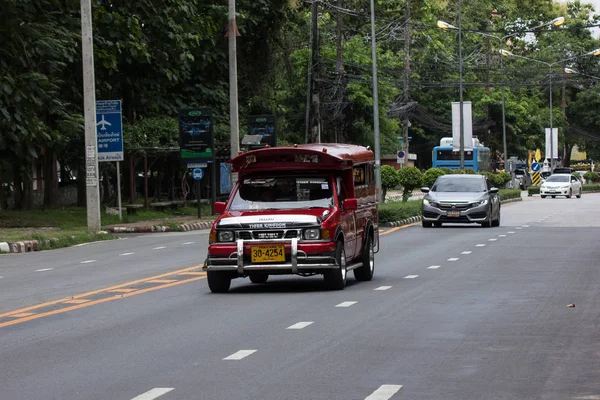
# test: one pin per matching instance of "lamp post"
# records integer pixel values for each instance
(445, 26)
(572, 71)
(507, 53)
(375, 108)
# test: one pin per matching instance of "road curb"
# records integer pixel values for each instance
(194, 226)
(417, 218)
(24, 246)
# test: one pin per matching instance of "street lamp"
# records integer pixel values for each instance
(507, 53)
(445, 26)
(572, 71)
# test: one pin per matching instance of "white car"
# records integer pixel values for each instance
(561, 185)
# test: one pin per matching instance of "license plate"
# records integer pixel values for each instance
(270, 253)
(454, 213)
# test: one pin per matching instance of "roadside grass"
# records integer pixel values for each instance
(68, 226)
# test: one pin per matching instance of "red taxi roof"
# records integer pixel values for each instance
(303, 156)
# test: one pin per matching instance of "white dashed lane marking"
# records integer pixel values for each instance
(492, 240)
(466, 252)
(44, 269)
(480, 245)
(347, 304)
(87, 261)
(159, 248)
(384, 392)
(126, 254)
(501, 235)
(383, 288)
(189, 243)
(511, 232)
(300, 325)
(453, 259)
(239, 355)
(525, 226)
(410, 276)
(434, 267)
(518, 227)
(152, 394)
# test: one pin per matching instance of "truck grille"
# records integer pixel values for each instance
(265, 235)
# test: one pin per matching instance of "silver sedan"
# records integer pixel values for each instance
(461, 199)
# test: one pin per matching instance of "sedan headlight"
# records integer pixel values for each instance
(426, 202)
(225, 236)
(312, 234)
(481, 202)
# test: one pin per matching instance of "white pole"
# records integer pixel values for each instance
(89, 105)
(119, 190)
(233, 84)
(375, 107)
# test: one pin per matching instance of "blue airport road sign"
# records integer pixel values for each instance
(109, 129)
(197, 174)
(535, 167)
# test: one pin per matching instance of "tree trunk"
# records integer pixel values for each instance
(18, 180)
(50, 179)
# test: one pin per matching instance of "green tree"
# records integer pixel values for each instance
(431, 175)
(410, 179)
(389, 179)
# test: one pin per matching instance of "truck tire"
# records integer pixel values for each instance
(262, 278)
(336, 279)
(218, 282)
(365, 272)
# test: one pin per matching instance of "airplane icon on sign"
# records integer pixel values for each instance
(103, 123)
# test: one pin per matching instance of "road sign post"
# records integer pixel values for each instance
(400, 157)
(535, 176)
(198, 174)
(109, 132)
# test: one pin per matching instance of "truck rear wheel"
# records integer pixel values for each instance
(336, 279)
(218, 282)
(365, 272)
(262, 278)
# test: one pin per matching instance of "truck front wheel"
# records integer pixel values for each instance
(336, 279)
(218, 282)
(366, 270)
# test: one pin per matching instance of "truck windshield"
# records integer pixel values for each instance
(281, 193)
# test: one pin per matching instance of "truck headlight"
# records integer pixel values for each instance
(225, 236)
(312, 234)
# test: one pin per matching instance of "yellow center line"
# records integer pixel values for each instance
(93, 292)
(99, 301)
(398, 228)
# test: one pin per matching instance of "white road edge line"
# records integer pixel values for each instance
(87, 261)
(44, 269)
(466, 252)
(384, 392)
(347, 304)
(300, 325)
(153, 394)
(453, 259)
(159, 248)
(434, 267)
(238, 355)
(410, 276)
(383, 288)
(126, 254)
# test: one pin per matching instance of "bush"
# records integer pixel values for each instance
(507, 194)
(410, 179)
(581, 166)
(496, 179)
(446, 171)
(469, 171)
(389, 179)
(590, 176)
(393, 212)
(505, 177)
(430, 176)
(591, 187)
(531, 190)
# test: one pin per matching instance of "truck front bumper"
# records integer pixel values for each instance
(315, 257)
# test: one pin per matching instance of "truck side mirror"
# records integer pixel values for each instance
(220, 207)
(350, 204)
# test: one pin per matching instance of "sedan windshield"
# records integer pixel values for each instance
(558, 178)
(459, 185)
(281, 193)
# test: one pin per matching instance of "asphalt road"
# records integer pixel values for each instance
(452, 313)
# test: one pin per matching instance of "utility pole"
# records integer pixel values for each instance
(339, 70)
(234, 125)
(307, 118)
(375, 107)
(406, 122)
(563, 107)
(89, 105)
(315, 117)
(460, 80)
(338, 26)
